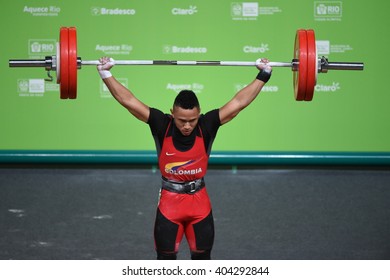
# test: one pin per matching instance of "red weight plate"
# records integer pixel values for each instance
(72, 52)
(58, 70)
(64, 63)
(312, 64)
(300, 54)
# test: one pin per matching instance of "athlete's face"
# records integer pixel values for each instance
(185, 119)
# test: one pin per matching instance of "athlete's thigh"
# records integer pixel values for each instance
(200, 233)
(167, 234)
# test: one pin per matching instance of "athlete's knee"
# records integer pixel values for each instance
(201, 255)
(166, 255)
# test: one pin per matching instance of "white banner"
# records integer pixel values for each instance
(210, 270)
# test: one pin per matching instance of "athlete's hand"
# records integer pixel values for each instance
(262, 64)
(265, 69)
(106, 63)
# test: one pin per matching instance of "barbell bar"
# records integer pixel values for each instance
(305, 65)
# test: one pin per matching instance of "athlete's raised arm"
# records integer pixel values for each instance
(246, 95)
(122, 94)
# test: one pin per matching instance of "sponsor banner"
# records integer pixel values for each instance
(200, 30)
(42, 11)
(194, 86)
(118, 49)
(191, 10)
(104, 11)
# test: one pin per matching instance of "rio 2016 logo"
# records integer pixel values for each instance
(328, 10)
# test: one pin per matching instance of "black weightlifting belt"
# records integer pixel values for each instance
(183, 187)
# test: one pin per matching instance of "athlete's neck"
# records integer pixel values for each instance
(181, 142)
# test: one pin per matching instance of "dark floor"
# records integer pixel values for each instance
(108, 213)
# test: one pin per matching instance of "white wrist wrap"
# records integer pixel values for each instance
(105, 74)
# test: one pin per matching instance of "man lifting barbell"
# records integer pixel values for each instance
(184, 138)
(183, 141)
(305, 64)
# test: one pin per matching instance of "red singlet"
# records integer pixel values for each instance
(185, 210)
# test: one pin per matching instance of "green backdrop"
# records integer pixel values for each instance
(349, 112)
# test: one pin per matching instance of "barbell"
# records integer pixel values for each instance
(305, 65)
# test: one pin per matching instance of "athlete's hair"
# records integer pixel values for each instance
(186, 99)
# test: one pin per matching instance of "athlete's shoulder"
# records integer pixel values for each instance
(158, 121)
(210, 122)
(211, 117)
(213, 114)
(157, 114)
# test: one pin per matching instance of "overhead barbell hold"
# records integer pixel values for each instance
(305, 64)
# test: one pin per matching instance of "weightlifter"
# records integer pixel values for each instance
(183, 141)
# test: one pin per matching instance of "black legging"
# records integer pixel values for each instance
(167, 238)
